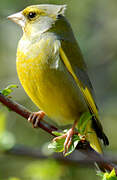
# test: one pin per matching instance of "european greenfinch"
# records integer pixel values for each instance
(52, 71)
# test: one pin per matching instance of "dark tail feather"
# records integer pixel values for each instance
(105, 139)
(99, 131)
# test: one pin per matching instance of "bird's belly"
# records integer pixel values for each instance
(59, 97)
(51, 88)
(53, 91)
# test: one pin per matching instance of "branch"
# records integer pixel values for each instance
(22, 111)
(87, 150)
(75, 158)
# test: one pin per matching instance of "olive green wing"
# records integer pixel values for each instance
(72, 58)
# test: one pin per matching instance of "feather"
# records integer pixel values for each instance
(86, 91)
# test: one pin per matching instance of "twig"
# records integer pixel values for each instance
(87, 150)
(22, 111)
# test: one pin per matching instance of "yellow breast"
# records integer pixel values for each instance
(47, 82)
(32, 62)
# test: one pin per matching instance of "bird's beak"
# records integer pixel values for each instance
(18, 18)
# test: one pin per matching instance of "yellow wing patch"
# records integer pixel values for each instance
(86, 93)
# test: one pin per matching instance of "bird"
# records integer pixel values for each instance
(52, 71)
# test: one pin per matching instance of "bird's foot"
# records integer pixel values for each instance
(68, 136)
(68, 139)
(35, 118)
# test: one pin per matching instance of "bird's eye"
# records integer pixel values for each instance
(31, 15)
(59, 16)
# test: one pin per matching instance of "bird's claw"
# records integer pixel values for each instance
(68, 139)
(35, 118)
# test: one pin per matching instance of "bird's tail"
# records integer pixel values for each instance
(93, 132)
(91, 136)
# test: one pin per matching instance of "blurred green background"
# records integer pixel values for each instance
(95, 26)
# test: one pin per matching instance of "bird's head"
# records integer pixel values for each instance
(38, 18)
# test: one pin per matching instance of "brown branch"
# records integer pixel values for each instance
(87, 150)
(22, 111)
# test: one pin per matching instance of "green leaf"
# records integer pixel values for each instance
(100, 173)
(108, 176)
(58, 145)
(82, 124)
(112, 173)
(8, 89)
(56, 133)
